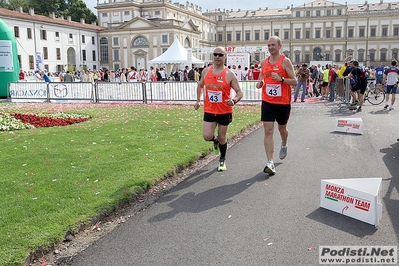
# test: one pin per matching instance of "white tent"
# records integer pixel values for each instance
(176, 54)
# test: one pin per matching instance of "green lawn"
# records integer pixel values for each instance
(54, 179)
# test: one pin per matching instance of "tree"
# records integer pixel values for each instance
(77, 9)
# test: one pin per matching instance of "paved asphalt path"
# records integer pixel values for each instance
(243, 217)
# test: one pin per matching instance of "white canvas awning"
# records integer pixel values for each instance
(176, 54)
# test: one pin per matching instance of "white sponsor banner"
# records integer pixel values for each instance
(6, 59)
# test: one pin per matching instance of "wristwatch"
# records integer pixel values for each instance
(282, 79)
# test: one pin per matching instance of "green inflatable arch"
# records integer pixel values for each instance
(9, 65)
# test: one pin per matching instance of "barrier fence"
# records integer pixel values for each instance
(98, 92)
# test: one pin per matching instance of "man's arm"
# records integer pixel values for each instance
(235, 85)
(200, 87)
(259, 84)
(287, 65)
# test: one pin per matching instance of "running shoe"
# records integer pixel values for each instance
(391, 108)
(222, 165)
(386, 106)
(359, 109)
(283, 152)
(269, 168)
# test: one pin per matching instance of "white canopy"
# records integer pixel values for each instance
(176, 54)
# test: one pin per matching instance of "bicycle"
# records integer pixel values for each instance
(374, 95)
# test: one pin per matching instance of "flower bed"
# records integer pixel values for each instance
(17, 121)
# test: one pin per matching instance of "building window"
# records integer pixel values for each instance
(360, 56)
(373, 32)
(57, 36)
(350, 33)
(298, 14)
(84, 57)
(93, 55)
(126, 13)
(104, 15)
(257, 35)
(93, 40)
(83, 39)
(247, 36)
(104, 49)
(141, 41)
(31, 62)
(338, 33)
(307, 34)
(45, 53)
(116, 55)
(220, 18)
(297, 58)
(383, 56)
(16, 31)
(339, 12)
(286, 35)
(318, 34)
(238, 36)
(220, 37)
(157, 13)
(276, 33)
(164, 38)
(29, 33)
(307, 58)
(266, 35)
(229, 36)
(394, 55)
(338, 57)
(297, 34)
(43, 35)
(327, 57)
(372, 56)
(115, 41)
(70, 37)
(395, 31)
(361, 32)
(384, 32)
(328, 34)
(329, 12)
(318, 13)
(308, 13)
(58, 53)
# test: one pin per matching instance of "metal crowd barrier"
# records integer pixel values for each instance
(114, 91)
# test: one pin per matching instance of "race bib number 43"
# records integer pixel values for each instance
(273, 90)
(215, 96)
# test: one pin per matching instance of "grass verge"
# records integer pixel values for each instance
(55, 179)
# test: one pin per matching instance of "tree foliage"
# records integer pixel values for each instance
(77, 9)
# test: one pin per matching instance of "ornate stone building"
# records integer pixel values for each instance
(138, 31)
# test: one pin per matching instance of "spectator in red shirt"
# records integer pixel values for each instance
(21, 75)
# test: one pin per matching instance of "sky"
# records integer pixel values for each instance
(240, 4)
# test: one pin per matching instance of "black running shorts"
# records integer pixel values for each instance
(223, 119)
(275, 112)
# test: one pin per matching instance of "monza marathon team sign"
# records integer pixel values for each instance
(359, 198)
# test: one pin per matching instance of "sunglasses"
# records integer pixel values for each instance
(218, 54)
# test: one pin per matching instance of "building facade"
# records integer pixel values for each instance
(138, 31)
(60, 43)
(131, 33)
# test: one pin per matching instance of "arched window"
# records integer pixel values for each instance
(104, 49)
(317, 55)
(186, 43)
(140, 41)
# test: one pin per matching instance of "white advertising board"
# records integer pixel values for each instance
(349, 125)
(359, 198)
(240, 59)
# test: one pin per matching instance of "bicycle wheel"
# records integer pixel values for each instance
(376, 96)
